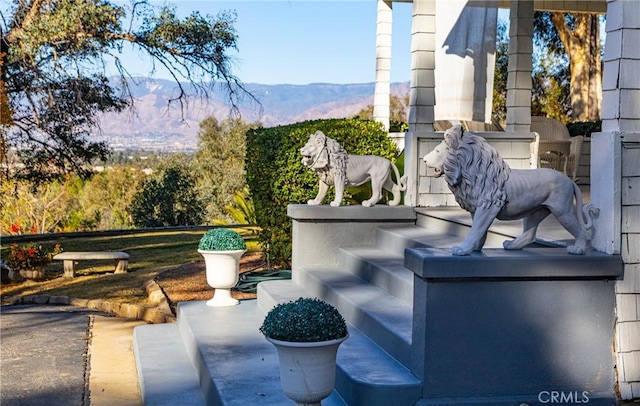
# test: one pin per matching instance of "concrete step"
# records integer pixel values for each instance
(385, 319)
(455, 221)
(367, 375)
(383, 264)
(447, 220)
(380, 268)
(211, 356)
(395, 239)
(235, 363)
(165, 372)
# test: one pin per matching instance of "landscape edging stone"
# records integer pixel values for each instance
(160, 313)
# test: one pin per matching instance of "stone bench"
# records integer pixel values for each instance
(70, 258)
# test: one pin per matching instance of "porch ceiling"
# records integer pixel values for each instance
(576, 6)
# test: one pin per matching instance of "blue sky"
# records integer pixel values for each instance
(301, 42)
(298, 41)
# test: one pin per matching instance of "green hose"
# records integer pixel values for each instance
(248, 282)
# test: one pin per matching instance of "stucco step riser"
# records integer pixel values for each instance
(395, 243)
(389, 328)
(165, 371)
(444, 226)
(388, 275)
(441, 225)
(397, 239)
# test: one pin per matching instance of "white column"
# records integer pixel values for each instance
(381, 102)
(520, 65)
(423, 42)
(615, 180)
(422, 92)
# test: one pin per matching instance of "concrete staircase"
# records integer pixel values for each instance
(218, 356)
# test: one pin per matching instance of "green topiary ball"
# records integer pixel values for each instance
(305, 320)
(221, 239)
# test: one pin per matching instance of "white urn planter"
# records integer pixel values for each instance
(222, 271)
(307, 369)
(306, 334)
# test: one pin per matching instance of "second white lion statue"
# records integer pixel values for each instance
(484, 185)
(326, 157)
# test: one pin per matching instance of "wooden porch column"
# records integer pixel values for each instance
(520, 65)
(381, 102)
(423, 42)
(422, 92)
(615, 180)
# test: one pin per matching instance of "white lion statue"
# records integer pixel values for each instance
(484, 185)
(331, 163)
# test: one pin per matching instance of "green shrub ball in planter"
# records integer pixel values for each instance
(306, 333)
(222, 249)
(305, 320)
(221, 239)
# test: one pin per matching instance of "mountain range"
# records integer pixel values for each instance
(158, 124)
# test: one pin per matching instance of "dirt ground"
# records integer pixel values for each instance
(188, 282)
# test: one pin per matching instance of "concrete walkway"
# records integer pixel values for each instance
(48, 352)
(113, 379)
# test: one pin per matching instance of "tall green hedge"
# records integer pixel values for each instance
(277, 178)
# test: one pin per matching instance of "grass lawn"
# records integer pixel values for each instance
(150, 253)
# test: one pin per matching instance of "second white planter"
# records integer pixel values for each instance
(222, 270)
(307, 369)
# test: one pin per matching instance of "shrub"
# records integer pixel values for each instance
(584, 127)
(305, 320)
(277, 178)
(30, 256)
(221, 239)
(168, 198)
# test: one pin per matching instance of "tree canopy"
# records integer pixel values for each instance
(54, 74)
(220, 164)
(501, 72)
(398, 108)
(573, 40)
(168, 198)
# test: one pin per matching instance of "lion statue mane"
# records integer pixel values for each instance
(329, 160)
(484, 185)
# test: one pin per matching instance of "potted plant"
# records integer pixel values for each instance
(306, 333)
(222, 249)
(29, 260)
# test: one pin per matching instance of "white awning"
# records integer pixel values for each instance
(465, 59)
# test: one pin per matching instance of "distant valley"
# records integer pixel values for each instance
(157, 125)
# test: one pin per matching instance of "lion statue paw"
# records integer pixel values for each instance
(459, 251)
(575, 250)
